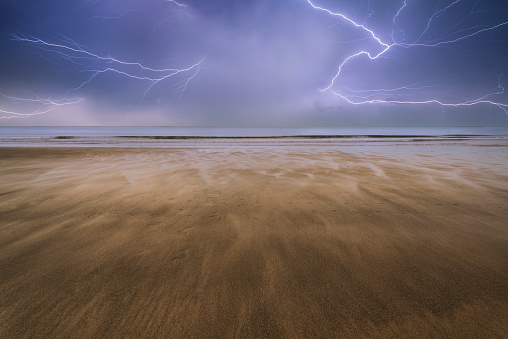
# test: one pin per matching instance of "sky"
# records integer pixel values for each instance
(254, 63)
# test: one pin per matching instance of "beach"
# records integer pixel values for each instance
(254, 239)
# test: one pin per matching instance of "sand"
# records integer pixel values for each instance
(250, 243)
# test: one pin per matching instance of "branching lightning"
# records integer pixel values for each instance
(33, 106)
(92, 65)
(361, 97)
(77, 53)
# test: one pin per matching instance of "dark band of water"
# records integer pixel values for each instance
(249, 132)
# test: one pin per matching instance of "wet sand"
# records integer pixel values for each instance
(250, 242)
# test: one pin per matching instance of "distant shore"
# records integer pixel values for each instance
(327, 237)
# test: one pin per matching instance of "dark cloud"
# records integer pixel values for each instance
(265, 61)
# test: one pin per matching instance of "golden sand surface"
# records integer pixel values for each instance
(249, 243)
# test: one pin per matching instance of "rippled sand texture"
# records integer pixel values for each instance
(250, 242)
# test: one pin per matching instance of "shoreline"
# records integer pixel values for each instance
(225, 141)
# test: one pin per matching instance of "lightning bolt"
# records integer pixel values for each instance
(76, 53)
(435, 15)
(43, 106)
(386, 47)
(177, 3)
(94, 65)
(481, 100)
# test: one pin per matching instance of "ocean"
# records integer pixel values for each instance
(487, 145)
(252, 132)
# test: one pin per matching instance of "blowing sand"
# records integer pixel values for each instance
(231, 242)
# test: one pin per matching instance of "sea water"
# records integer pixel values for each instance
(52, 132)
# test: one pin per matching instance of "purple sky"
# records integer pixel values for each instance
(254, 63)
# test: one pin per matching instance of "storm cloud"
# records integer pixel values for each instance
(252, 63)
